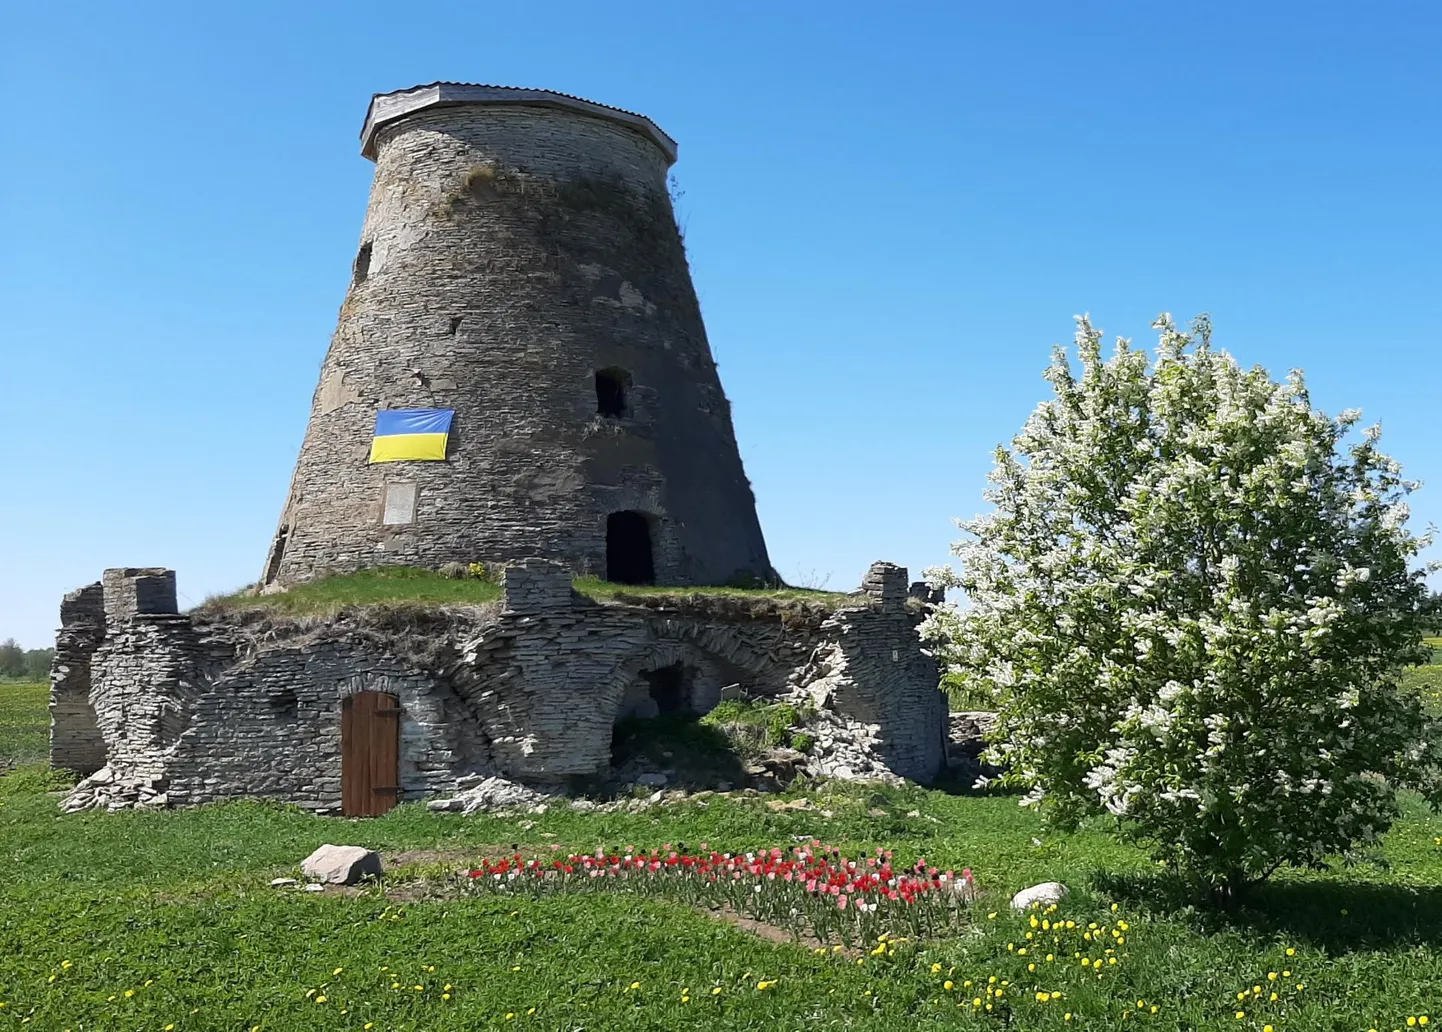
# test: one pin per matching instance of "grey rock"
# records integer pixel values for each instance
(1043, 895)
(277, 883)
(341, 865)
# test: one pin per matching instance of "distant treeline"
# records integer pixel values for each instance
(24, 664)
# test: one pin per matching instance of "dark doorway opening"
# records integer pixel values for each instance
(612, 386)
(628, 549)
(668, 688)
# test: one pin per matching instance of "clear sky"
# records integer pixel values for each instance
(893, 211)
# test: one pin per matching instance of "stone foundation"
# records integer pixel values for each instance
(217, 704)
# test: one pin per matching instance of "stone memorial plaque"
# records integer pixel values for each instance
(400, 504)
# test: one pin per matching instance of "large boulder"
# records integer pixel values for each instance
(341, 865)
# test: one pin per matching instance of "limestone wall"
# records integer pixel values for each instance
(75, 739)
(220, 703)
(509, 253)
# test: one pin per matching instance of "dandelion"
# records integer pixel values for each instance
(948, 985)
(340, 969)
(320, 999)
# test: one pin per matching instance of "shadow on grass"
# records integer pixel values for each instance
(1341, 917)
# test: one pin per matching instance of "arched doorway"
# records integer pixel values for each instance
(628, 549)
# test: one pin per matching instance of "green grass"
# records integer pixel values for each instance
(396, 585)
(605, 590)
(176, 908)
(24, 723)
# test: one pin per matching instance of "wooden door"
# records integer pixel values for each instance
(370, 738)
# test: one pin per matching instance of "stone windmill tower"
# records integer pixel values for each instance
(520, 367)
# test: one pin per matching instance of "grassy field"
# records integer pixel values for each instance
(167, 921)
(399, 584)
(24, 723)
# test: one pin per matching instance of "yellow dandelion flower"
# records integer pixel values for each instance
(716, 991)
(633, 986)
(320, 999)
(447, 987)
(337, 971)
(531, 1011)
(1286, 974)
(1291, 952)
(445, 996)
(129, 993)
(1241, 1015)
(510, 1015)
(992, 916)
(1066, 1016)
(936, 969)
(948, 985)
(976, 1002)
(1411, 1021)
(1050, 957)
(1267, 1028)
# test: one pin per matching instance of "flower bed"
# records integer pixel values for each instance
(810, 890)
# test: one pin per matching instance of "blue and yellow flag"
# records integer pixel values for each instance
(418, 433)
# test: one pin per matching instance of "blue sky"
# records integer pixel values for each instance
(892, 211)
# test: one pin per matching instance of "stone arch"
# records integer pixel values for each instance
(711, 665)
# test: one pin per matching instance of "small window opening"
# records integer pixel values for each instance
(284, 705)
(667, 687)
(612, 387)
(628, 549)
(363, 263)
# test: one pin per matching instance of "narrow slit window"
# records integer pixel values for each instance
(363, 263)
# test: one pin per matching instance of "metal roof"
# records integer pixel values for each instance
(389, 107)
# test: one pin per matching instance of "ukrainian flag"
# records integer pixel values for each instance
(411, 434)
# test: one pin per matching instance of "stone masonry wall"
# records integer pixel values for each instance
(872, 671)
(509, 253)
(223, 703)
(75, 739)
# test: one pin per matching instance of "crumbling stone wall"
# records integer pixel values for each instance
(220, 703)
(75, 739)
(871, 670)
(515, 244)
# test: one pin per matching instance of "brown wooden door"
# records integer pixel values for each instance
(370, 738)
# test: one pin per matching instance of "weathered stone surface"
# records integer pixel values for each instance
(280, 883)
(499, 704)
(1043, 895)
(510, 252)
(341, 865)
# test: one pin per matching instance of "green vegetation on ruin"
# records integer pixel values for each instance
(146, 920)
(402, 585)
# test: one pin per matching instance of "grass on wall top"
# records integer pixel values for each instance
(407, 585)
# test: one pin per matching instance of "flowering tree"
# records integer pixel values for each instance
(1190, 604)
